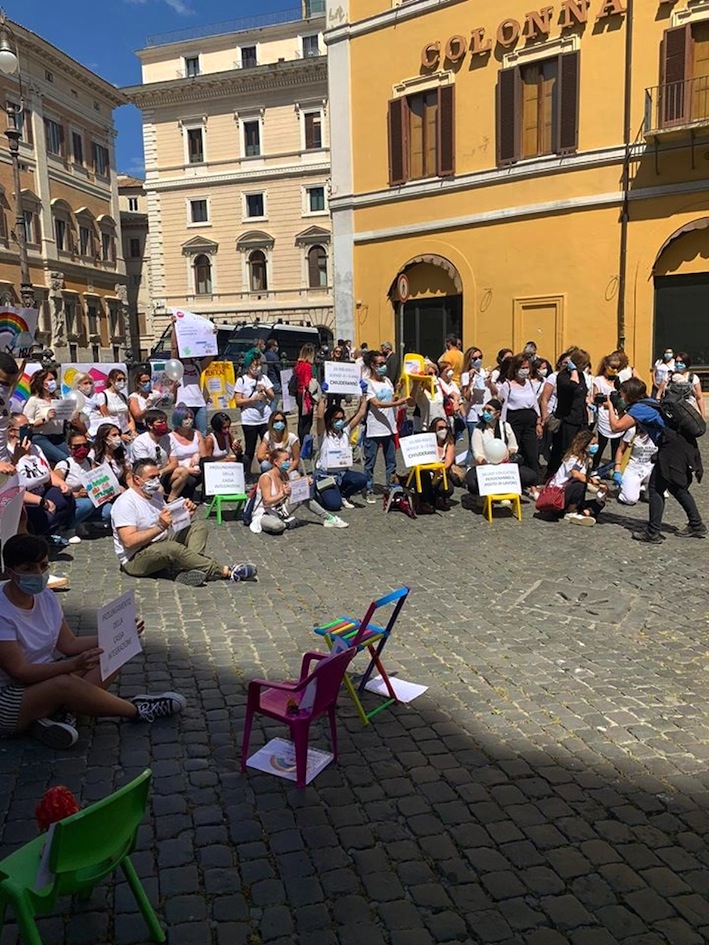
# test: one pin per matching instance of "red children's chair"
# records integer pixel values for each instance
(299, 703)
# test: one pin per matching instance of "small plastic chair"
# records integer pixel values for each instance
(218, 500)
(282, 700)
(409, 377)
(512, 497)
(431, 467)
(85, 847)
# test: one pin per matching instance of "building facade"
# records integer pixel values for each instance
(531, 174)
(69, 199)
(237, 155)
(133, 205)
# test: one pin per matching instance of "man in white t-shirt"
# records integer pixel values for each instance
(155, 444)
(146, 542)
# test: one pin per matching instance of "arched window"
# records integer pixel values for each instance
(202, 275)
(258, 280)
(317, 267)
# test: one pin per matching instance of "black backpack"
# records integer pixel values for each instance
(680, 416)
(293, 385)
(248, 511)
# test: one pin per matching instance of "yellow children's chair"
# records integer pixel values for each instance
(414, 370)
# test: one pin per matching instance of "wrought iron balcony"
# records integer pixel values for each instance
(677, 105)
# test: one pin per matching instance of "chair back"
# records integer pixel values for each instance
(306, 447)
(397, 598)
(327, 679)
(413, 364)
(92, 842)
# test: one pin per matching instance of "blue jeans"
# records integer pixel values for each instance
(371, 448)
(200, 419)
(54, 451)
(87, 511)
(348, 483)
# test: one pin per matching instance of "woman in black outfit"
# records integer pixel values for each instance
(571, 409)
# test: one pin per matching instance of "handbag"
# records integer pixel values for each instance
(551, 499)
(553, 423)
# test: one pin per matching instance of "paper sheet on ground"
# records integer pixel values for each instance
(117, 633)
(196, 335)
(405, 691)
(278, 757)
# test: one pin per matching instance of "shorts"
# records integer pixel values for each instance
(10, 701)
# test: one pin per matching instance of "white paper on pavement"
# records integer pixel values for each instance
(117, 633)
(343, 377)
(299, 490)
(405, 691)
(278, 757)
(419, 449)
(180, 516)
(500, 479)
(196, 337)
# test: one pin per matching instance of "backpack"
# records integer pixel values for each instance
(399, 500)
(248, 511)
(680, 416)
(293, 385)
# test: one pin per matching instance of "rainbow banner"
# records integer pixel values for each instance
(21, 394)
(17, 329)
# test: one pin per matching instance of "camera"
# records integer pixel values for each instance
(617, 401)
(600, 399)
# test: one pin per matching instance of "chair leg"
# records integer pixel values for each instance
(151, 920)
(349, 686)
(333, 730)
(209, 509)
(248, 721)
(301, 734)
(29, 935)
(219, 509)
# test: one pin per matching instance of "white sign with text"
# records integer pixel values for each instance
(343, 377)
(419, 449)
(299, 490)
(502, 479)
(196, 335)
(224, 479)
(117, 633)
(289, 403)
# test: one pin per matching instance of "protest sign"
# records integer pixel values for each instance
(101, 484)
(278, 757)
(180, 516)
(299, 490)
(196, 335)
(63, 409)
(343, 377)
(419, 449)
(218, 380)
(224, 479)
(97, 371)
(117, 633)
(499, 480)
(17, 329)
(288, 401)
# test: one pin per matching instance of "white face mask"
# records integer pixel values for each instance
(188, 422)
(449, 375)
(152, 486)
(442, 434)
(120, 385)
(51, 386)
(113, 441)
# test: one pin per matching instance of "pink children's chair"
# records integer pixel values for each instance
(299, 703)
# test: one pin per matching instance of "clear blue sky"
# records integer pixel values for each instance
(104, 34)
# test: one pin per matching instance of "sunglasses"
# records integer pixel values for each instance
(78, 446)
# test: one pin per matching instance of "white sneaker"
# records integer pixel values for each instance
(74, 540)
(505, 504)
(334, 521)
(371, 499)
(587, 520)
(55, 582)
(346, 504)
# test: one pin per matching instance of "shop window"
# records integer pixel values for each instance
(258, 280)
(202, 275)
(685, 74)
(422, 135)
(317, 267)
(538, 108)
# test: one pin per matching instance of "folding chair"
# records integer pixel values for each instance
(360, 635)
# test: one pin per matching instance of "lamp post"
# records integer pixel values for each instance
(10, 65)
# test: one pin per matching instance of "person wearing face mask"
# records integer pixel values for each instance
(682, 383)
(450, 389)
(334, 459)
(72, 472)
(220, 445)
(273, 511)
(113, 405)
(434, 495)
(381, 421)
(491, 427)
(661, 369)
(475, 388)
(278, 436)
(146, 542)
(571, 409)
(521, 410)
(10, 374)
(574, 475)
(40, 694)
(155, 444)
(109, 448)
(499, 374)
(187, 446)
(142, 399)
(41, 414)
(606, 382)
(253, 394)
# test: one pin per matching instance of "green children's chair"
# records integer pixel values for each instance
(216, 503)
(85, 847)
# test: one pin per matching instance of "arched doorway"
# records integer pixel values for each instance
(681, 276)
(433, 309)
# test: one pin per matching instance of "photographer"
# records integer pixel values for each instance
(676, 461)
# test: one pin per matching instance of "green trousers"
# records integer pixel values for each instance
(184, 552)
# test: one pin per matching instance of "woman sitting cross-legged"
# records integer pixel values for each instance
(575, 475)
(273, 512)
(72, 472)
(434, 495)
(334, 462)
(39, 693)
(278, 437)
(490, 428)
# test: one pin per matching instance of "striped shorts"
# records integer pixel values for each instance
(10, 701)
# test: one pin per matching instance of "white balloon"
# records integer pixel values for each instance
(174, 369)
(77, 398)
(495, 451)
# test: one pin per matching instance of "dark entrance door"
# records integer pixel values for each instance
(682, 316)
(426, 322)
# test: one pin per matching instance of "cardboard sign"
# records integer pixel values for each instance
(101, 485)
(288, 401)
(196, 335)
(299, 490)
(419, 449)
(17, 329)
(224, 479)
(218, 380)
(98, 372)
(499, 480)
(343, 377)
(117, 633)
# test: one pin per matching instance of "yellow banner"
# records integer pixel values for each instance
(218, 382)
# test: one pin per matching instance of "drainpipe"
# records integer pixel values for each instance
(625, 210)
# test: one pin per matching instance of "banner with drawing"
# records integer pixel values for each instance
(17, 330)
(218, 381)
(97, 371)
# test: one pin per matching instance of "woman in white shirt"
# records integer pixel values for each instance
(491, 427)
(633, 464)
(142, 399)
(475, 388)
(574, 476)
(278, 436)
(41, 414)
(663, 367)
(684, 383)
(381, 421)
(187, 445)
(113, 406)
(253, 394)
(606, 382)
(72, 472)
(521, 410)
(335, 459)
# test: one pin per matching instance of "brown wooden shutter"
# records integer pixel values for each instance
(509, 115)
(676, 65)
(313, 267)
(446, 131)
(567, 141)
(398, 141)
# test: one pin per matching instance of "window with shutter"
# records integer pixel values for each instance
(398, 114)
(700, 71)
(446, 130)
(317, 267)
(676, 61)
(568, 122)
(509, 116)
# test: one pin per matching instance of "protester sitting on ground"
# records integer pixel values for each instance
(9, 376)
(146, 543)
(574, 475)
(683, 383)
(72, 471)
(334, 460)
(489, 428)
(253, 393)
(220, 445)
(187, 446)
(41, 414)
(142, 399)
(48, 500)
(381, 421)
(155, 444)
(39, 693)
(278, 436)
(109, 448)
(633, 465)
(273, 512)
(434, 494)
(113, 406)
(520, 408)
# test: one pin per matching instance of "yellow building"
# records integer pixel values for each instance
(69, 200)
(237, 163)
(533, 173)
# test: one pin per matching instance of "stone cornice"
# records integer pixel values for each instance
(229, 177)
(275, 75)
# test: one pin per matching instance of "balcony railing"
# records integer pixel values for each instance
(234, 26)
(676, 105)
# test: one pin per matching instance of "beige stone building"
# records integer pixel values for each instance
(69, 200)
(133, 205)
(237, 155)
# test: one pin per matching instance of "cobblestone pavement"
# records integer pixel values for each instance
(549, 787)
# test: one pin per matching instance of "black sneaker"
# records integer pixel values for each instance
(63, 715)
(648, 537)
(191, 578)
(699, 531)
(243, 572)
(53, 733)
(158, 707)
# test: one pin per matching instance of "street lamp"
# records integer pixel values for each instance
(10, 65)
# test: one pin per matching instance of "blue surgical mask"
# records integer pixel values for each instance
(381, 369)
(593, 449)
(487, 416)
(285, 465)
(279, 425)
(32, 583)
(477, 363)
(680, 366)
(145, 387)
(51, 386)
(338, 425)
